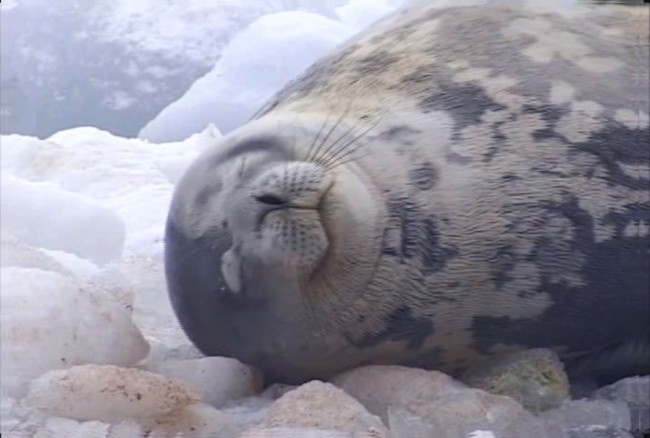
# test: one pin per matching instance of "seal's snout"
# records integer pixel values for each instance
(294, 184)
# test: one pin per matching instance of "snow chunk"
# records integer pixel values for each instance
(46, 216)
(51, 321)
(131, 177)
(218, 379)
(8, 419)
(107, 393)
(144, 278)
(431, 402)
(286, 432)
(322, 406)
(635, 391)
(360, 14)
(198, 419)
(65, 427)
(174, 165)
(16, 253)
(379, 386)
(126, 429)
(579, 413)
(472, 409)
(257, 63)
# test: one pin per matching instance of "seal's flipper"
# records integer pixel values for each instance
(613, 363)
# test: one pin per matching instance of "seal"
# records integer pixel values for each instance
(451, 184)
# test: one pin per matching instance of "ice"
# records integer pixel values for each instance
(471, 409)
(52, 321)
(582, 413)
(44, 215)
(217, 379)
(107, 393)
(126, 429)
(428, 403)
(144, 277)
(198, 419)
(379, 386)
(256, 64)
(7, 418)
(635, 391)
(598, 432)
(285, 432)
(16, 253)
(322, 406)
(56, 427)
(174, 166)
(360, 14)
(405, 424)
(246, 414)
(132, 178)
(482, 434)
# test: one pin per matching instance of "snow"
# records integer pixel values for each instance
(229, 378)
(361, 13)
(46, 216)
(19, 254)
(93, 171)
(83, 216)
(107, 393)
(52, 321)
(257, 62)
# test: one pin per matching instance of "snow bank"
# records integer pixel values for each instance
(257, 63)
(130, 178)
(359, 14)
(48, 217)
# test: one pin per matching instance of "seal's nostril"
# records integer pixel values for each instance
(270, 199)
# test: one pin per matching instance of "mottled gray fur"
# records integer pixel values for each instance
(483, 182)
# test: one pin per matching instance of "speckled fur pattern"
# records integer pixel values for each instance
(508, 153)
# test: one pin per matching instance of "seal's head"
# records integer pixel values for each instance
(269, 236)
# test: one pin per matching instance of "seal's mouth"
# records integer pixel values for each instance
(272, 202)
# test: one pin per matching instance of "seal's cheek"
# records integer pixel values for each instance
(217, 319)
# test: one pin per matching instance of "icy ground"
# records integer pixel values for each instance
(90, 347)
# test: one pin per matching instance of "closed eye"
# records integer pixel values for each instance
(270, 199)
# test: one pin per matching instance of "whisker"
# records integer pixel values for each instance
(316, 157)
(344, 152)
(324, 159)
(320, 131)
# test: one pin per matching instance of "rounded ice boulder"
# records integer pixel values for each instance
(52, 321)
(107, 393)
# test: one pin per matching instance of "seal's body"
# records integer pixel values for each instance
(453, 183)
